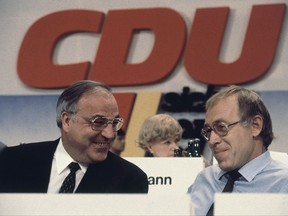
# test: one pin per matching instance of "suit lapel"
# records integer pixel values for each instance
(98, 177)
(41, 165)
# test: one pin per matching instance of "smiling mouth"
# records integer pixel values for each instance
(101, 145)
(219, 153)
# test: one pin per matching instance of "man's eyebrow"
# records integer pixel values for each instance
(99, 115)
(218, 121)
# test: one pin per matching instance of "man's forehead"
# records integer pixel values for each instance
(224, 108)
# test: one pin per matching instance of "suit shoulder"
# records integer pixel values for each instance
(27, 149)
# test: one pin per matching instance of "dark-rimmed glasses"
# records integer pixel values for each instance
(220, 128)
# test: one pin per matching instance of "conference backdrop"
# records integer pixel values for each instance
(158, 56)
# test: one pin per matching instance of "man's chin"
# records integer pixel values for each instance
(99, 156)
(225, 166)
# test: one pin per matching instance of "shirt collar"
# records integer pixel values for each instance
(252, 168)
(63, 159)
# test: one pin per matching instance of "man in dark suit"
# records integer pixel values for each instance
(88, 117)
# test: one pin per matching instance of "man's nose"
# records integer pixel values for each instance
(108, 131)
(214, 138)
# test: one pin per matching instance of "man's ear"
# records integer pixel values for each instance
(256, 125)
(65, 117)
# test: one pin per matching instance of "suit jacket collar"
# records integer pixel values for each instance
(44, 160)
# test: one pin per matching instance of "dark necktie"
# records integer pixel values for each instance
(233, 176)
(69, 182)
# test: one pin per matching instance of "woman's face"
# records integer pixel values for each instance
(164, 148)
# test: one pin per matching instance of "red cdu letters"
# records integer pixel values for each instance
(201, 58)
(110, 65)
(35, 65)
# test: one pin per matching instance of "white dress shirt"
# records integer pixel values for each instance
(60, 169)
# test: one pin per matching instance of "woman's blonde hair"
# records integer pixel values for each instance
(157, 128)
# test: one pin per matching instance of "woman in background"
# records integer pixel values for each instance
(159, 135)
(118, 146)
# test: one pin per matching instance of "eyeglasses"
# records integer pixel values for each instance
(99, 123)
(220, 128)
